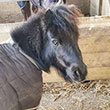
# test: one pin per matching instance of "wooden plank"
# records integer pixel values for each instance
(4, 36)
(7, 27)
(53, 76)
(100, 7)
(98, 73)
(95, 44)
(93, 60)
(106, 8)
(94, 7)
(94, 26)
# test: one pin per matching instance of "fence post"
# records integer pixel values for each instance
(94, 7)
(100, 7)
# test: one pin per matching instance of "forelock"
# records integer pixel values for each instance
(67, 18)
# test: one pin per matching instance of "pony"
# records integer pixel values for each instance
(50, 39)
(36, 4)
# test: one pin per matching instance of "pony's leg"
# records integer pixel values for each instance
(64, 1)
(34, 9)
(24, 14)
(26, 11)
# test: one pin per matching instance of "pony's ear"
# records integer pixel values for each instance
(49, 17)
(29, 40)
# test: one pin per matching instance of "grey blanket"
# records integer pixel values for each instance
(20, 80)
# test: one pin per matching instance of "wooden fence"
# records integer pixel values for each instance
(100, 7)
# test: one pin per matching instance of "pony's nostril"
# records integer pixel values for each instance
(76, 73)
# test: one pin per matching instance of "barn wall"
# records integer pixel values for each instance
(83, 5)
(94, 7)
(106, 7)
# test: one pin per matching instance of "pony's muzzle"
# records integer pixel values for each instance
(78, 74)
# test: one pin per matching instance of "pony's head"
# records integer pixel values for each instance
(51, 39)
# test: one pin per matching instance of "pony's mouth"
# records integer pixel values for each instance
(71, 77)
(70, 73)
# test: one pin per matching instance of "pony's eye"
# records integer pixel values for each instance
(55, 42)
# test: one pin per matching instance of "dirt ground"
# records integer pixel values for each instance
(93, 95)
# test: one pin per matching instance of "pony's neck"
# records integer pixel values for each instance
(28, 57)
(10, 40)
